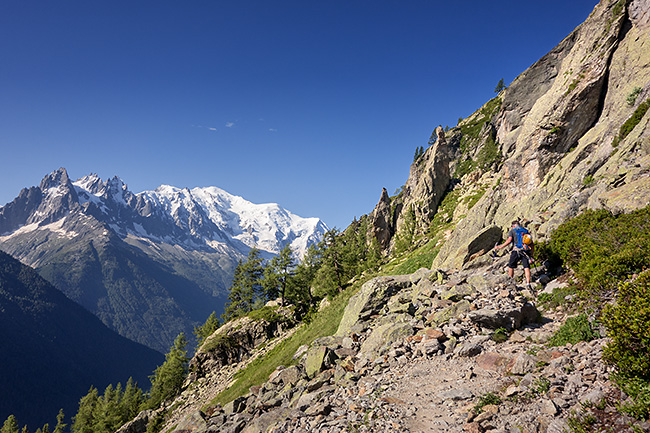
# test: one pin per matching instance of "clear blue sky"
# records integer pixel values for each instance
(315, 105)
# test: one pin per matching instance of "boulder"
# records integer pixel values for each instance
(236, 406)
(449, 312)
(193, 423)
(483, 242)
(457, 293)
(382, 337)
(318, 358)
(139, 423)
(370, 299)
(510, 318)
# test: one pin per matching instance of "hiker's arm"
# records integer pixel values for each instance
(505, 244)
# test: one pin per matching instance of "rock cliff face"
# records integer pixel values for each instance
(551, 144)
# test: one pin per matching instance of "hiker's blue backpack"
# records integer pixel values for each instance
(522, 239)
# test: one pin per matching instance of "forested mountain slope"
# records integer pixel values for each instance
(52, 350)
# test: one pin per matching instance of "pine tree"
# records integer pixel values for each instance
(278, 275)
(246, 288)
(433, 138)
(299, 291)
(168, 379)
(132, 400)
(108, 417)
(85, 419)
(10, 425)
(328, 279)
(500, 86)
(204, 331)
(60, 425)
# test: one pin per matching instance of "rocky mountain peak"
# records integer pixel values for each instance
(58, 178)
(381, 220)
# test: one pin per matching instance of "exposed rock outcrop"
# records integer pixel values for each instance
(381, 220)
(556, 130)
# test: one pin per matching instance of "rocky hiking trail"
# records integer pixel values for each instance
(417, 353)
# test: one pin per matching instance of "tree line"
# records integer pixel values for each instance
(324, 271)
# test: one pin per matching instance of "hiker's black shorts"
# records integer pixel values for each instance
(515, 257)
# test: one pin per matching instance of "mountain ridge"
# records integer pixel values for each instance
(135, 259)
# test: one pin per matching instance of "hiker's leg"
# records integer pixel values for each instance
(526, 263)
(527, 273)
(512, 263)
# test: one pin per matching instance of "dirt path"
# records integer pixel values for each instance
(439, 392)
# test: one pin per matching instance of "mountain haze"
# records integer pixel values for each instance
(149, 265)
(52, 349)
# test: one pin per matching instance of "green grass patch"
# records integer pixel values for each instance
(421, 257)
(500, 335)
(325, 323)
(559, 296)
(270, 314)
(218, 340)
(574, 330)
(472, 199)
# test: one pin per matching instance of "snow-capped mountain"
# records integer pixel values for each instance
(201, 217)
(169, 252)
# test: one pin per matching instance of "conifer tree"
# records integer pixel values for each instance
(202, 332)
(329, 277)
(60, 425)
(433, 138)
(300, 292)
(132, 400)
(10, 425)
(278, 275)
(85, 420)
(108, 417)
(500, 86)
(168, 378)
(246, 286)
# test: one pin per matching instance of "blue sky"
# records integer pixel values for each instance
(315, 105)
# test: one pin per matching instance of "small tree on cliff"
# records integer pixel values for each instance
(500, 86)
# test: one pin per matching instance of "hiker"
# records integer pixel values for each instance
(522, 250)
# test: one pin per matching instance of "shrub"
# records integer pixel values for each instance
(500, 335)
(631, 98)
(574, 330)
(603, 249)
(489, 398)
(639, 392)
(628, 324)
